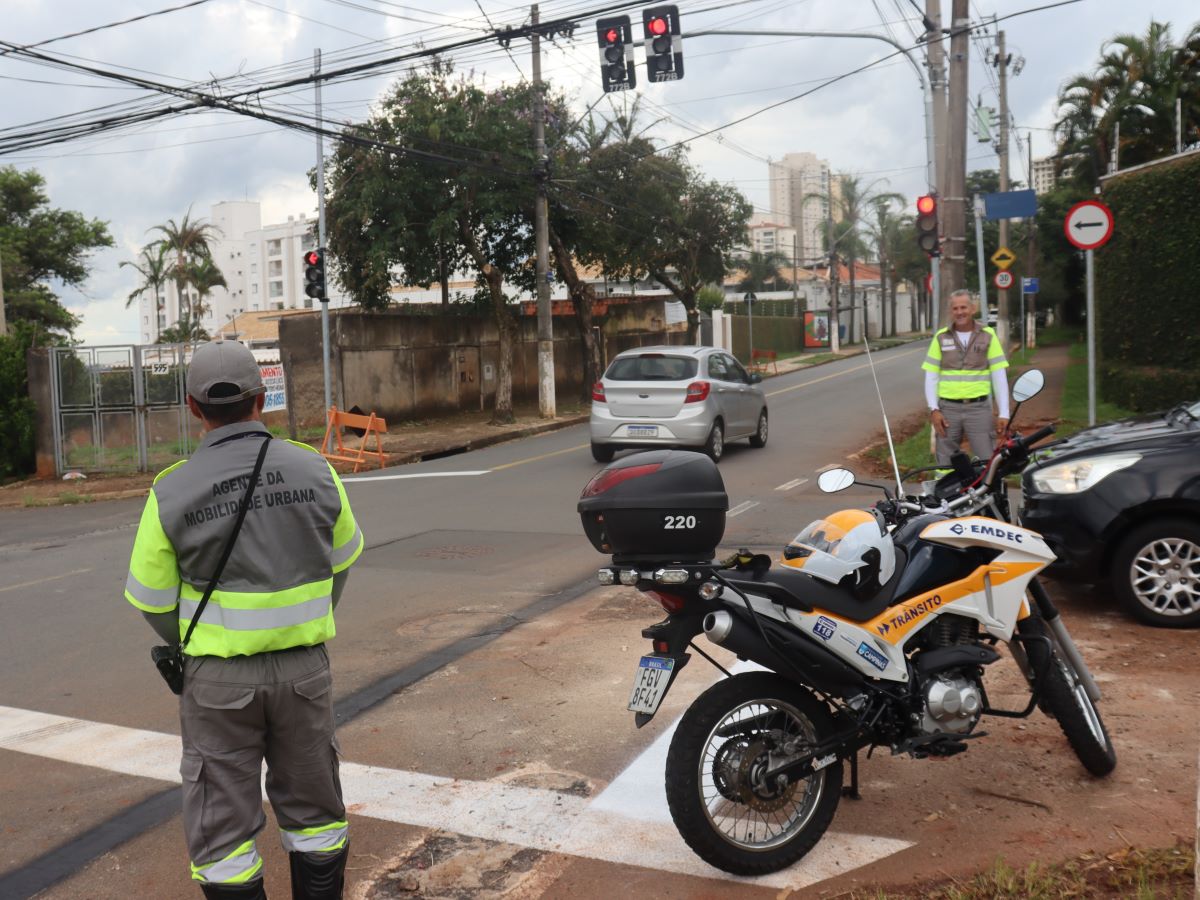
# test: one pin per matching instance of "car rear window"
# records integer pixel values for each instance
(652, 367)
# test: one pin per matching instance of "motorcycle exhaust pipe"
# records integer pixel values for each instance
(799, 656)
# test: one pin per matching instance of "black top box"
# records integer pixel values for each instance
(665, 505)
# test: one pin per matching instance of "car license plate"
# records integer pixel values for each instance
(650, 683)
(643, 431)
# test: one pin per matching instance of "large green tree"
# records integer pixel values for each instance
(443, 171)
(39, 246)
(760, 268)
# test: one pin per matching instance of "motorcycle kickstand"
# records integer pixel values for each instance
(852, 790)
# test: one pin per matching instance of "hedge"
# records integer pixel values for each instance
(16, 409)
(1148, 287)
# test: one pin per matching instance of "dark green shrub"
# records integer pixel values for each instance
(1148, 388)
(16, 409)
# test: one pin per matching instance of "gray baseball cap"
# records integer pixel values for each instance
(226, 367)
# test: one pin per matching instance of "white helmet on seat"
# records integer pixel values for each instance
(850, 542)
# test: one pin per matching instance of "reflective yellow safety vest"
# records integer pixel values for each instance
(276, 590)
(964, 373)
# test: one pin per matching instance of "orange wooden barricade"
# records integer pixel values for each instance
(759, 359)
(371, 425)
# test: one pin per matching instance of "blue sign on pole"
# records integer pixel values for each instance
(1029, 285)
(1010, 205)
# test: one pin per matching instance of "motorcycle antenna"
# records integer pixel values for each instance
(887, 429)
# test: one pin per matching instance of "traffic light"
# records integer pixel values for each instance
(927, 224)
(314, 274)
(664, 45)
(618, 71)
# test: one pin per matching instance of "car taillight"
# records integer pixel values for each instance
(672, 603)
(697, 392)
(610, 478)
(598, 392)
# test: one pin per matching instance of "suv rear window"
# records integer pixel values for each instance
(652, 367)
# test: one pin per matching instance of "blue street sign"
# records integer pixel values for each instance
(1010, 205)
(1029, 285)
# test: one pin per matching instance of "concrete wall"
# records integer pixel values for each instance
(404, 366)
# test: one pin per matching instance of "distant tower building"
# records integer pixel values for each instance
(1044, 178)
(800, 187)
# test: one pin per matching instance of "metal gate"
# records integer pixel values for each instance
(120, 408)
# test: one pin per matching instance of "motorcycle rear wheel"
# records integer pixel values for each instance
(1067, 700)
(721, 806)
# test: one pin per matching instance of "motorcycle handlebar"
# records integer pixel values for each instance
(1041, 434)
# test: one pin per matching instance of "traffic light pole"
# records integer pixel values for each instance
(933, 163)
(321, 231)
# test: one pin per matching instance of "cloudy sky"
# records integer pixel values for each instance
(141, 176)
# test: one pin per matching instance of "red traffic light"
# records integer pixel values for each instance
(658, 26)
(312, 258)
(612, 36)
(926, 204)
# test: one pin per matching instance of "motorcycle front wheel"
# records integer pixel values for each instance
(1067, 700)
(720, 802)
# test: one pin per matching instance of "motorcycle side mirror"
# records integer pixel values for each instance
(1029, 385)
(833, 480)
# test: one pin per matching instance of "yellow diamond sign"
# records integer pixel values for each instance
(1003, 258)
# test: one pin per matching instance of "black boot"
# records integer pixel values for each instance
(318, 876)
(250, 890)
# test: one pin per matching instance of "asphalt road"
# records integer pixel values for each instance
(464, 555)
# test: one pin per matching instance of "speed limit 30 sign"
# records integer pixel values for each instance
(1004, 280)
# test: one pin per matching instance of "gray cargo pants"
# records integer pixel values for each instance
(235, 713)
(972, 419)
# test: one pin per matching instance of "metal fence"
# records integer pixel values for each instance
(120, 408)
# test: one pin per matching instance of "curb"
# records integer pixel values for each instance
(400, 459)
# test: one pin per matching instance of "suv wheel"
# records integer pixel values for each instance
(1156, 573)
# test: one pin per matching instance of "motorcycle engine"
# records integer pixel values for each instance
(951, 700)
(952, 704)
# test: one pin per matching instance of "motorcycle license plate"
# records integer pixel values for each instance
(643, 431)
(650, 683)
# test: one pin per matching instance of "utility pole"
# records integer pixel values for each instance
(321, 233)
(4, 321)
(1002, 60)
(954, 268)
(1029, 326)
(834, 314)
(541, 226)
(935, 59)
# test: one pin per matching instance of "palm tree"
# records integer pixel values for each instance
(760, 268)
(1135, 85)
(885, 235)
(187, 240)
(854, 202)
(154, 269)
(203, 275)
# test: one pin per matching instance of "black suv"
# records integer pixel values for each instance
(1120, 503)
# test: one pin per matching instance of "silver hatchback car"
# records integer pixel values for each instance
(697, 397)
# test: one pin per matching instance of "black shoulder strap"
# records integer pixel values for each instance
(237, 526)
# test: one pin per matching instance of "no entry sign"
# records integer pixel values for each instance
(1089, 224)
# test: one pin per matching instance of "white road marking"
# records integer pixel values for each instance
(25, 584)
(628, 823)
(744, 506)
(867, 365)
(794, 483)
(353, 478)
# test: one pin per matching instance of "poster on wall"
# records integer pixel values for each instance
(272, 376)
(816, 330)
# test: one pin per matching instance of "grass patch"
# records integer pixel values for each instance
(1060, 334)
(911, 453)
(1129, 874)
(1074, 414)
